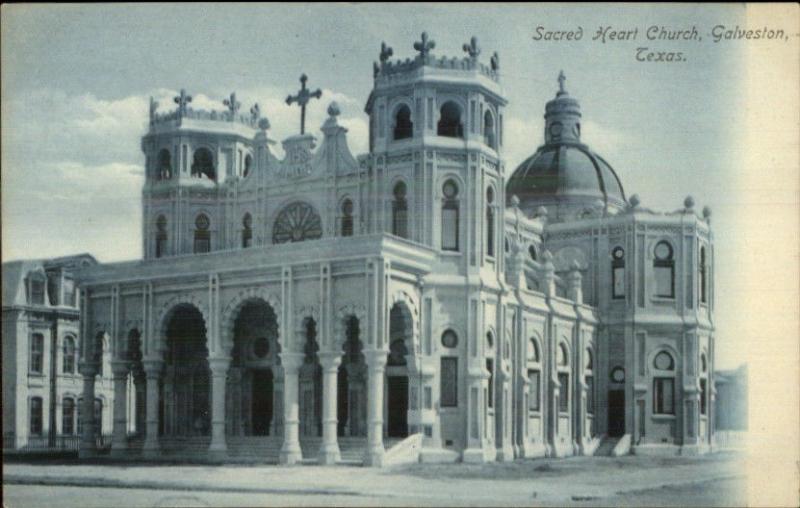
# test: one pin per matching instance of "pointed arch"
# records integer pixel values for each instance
(165, 312)
(235, 304)
(343, 313)
(403, 298)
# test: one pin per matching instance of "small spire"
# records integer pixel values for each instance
(561, 79)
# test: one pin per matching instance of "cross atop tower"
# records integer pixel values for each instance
(425, 45)
(302, 98)
(233, 105)
(182, 100)
(561, 79)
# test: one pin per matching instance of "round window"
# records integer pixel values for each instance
(663, 361)
(663, 251)
(261, 347)
(618, 375)
(202, 222)
(618, 253)
(449, 189)
(449, 339)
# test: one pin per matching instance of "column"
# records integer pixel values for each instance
(376, 363)
(152, 369)
(88, 445)
(119, 440)
(290, 452)
(329, 449)
(219, 376)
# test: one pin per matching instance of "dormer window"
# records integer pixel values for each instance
(403, 127)
(69, 292)
(36, 289)
(450, 121)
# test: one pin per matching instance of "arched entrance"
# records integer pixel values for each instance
(252, 379)
(185, 389)
(352, 384)
(397, 381)
(310, 384)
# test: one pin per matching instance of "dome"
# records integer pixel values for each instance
(564, 173)
(564, 169)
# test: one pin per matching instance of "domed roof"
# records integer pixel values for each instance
(564, 171)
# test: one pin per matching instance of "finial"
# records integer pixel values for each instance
(333, 109)
(425, 45)
(561, 79)
(182, 100)
(153, 108)
(233, 105)
(255, 113)
(688, 203)
(706, 212)
(263, 123)
(472, 48)
(634, 200)
(302, 98)
(385, 54)
(495, 62)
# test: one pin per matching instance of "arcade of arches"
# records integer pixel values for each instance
(264, 393)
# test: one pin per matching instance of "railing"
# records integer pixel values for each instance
(44, 444)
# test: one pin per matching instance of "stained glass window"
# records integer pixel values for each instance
(295, 223)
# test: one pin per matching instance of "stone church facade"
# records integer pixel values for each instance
(418, 301)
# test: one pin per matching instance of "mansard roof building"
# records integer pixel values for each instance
(421, 300)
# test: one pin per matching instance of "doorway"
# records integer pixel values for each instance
(616, 413)
(397, 411)
(262, 402)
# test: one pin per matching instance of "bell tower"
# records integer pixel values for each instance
(436, 138)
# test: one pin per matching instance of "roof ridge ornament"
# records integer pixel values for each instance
(233, 105)
(385, 54)
(182, 100)
(561, 79)
(472, 48)
(425, 45)
(302, 98)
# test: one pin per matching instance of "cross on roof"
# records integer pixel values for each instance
(302, 98)
(472, 48)
(182, 100)
(425, 45)
(233, 104)
(386, 52)
(561, 79)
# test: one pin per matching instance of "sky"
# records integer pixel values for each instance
(76, 80)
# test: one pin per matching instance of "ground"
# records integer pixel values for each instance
(714, 480)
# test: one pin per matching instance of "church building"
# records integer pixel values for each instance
(421, 302)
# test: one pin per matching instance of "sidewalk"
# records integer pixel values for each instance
(545, 480)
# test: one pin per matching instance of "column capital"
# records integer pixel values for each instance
(329, 360)
(219, 364)
(376, 358)
(291, 362)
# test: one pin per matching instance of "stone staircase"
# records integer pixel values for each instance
(255, 449)
(607, 446)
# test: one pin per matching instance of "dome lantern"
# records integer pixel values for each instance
(562, 117)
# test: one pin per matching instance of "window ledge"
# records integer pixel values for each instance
(451, 253)
(663, 299)
(660, 416)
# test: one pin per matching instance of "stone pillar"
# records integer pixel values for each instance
(152, 369)
(219, 374)
(290, 452)
(329, 449)
(376, 363)
(119, 440)
(88, 446)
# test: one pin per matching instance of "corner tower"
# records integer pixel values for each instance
(436, 138)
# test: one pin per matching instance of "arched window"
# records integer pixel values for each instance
(36, 416)
(403, 127)
(664, 384)
(450, 216)
(664, 268)
(562, 362)
(347, 218)
(297, 222)
(68, 416)
(703, 384)
(490, 222)
(400, 211)
(161, 236)
(37, 353)
(534, 376)
(203, 164)
(397, 353)
(589, 376)
(532, 252)
(488, 130)
(247, 231)
(68, 365)
(703, 268)
(450, 121)
(248, 164)
(202, 234)
(618, 273)
(164, 169)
